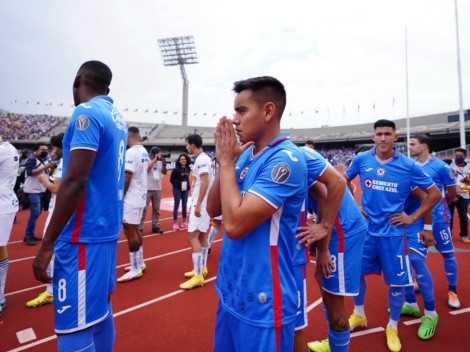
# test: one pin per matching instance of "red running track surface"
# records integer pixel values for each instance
(153, 314)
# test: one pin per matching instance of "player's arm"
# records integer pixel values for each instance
(451, 193)
(214, 207)
(241, 215)
(127, 180)
(53, 187)
(69, 197)
(430, 197)
(203, 188)
(324, 264)
(329, 200)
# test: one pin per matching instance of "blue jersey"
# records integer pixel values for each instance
(96, 125)
(255, 280)
(442, 176)
(385, 187)
(349, 220)
(411, 204)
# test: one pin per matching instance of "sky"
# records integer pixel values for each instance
(342, 62)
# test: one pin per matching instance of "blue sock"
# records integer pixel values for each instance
(425, 282)
(104, 333)
(450, 267)
(410, 295)
(339, 341)
(396, 298)
(359, 299)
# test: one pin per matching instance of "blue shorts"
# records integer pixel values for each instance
(443, 237)
(84, 277)
(414, 243)
(234, 335)
(390, 256)
(301, 280)
(346, 254)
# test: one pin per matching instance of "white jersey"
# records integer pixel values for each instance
(9, 164)
(202, 165)
(137, 160)
(56, 175)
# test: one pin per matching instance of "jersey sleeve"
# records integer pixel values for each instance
(353, 170)
(447, 175)
(419, 178)
(85, 127)
(280, 178)
(131, 160)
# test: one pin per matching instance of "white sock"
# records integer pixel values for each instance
(412, 305)
(393, 324)
(359, 310)
(213, 232)
(3, 276)
(134, 259)
(205, 251)
(430, 313)
(141, 256)
(197, 262)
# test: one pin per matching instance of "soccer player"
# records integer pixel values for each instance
(441, 174)
(199, 219)
(387, 178)
(260, 188)
(340, 232)
(135, 200)
(86, 222)
(9, 164)
(52, 183)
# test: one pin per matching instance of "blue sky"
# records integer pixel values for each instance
(342, 62)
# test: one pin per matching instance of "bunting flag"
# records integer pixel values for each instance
(301, 113)
(156, 111)
(204, 114)
(393, 102)
(135, 110)
(214, 115)
(38, 103)
(165, 112)
(60, 104)
(358, 107)
(195, 114)
(316, 111)
(126, 109)
(175, 112)
(373, 105)
(146, 110)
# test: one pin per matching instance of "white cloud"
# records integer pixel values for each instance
(331, 56)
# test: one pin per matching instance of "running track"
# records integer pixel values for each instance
(153, 314)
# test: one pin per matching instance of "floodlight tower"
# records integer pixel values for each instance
(179, 51)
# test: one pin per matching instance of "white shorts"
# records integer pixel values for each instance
(6, 223)
(132, 215)
(201, 223)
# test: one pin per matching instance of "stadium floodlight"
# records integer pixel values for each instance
(179, 51)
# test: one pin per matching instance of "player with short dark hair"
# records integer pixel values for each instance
(259, 190)
(387, 178)
(86, 223)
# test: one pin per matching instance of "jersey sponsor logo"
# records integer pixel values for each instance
(63, 309)
(401, 273)
(396, 294)
(280, 173)
(83, 122)
(384, 186)
(380, 171)
(369, 169)
(291, 156)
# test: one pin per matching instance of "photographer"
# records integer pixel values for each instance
(461, 171)
(155, 172)
(35, 166)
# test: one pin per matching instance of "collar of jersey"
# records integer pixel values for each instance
(396, 152)
(279, 138)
